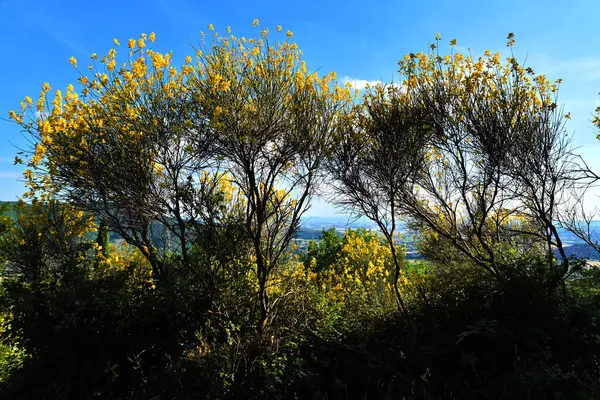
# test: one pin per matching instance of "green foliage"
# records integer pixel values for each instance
(93, 328)
(12, 355)
(80, 333)
(325, 252)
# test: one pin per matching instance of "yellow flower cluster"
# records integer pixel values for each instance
(485, 77)
(363, 267)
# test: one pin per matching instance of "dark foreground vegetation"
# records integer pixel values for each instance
(204, 172)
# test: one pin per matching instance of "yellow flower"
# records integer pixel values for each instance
(255, 22)
(211, 27)
(278, 27)
(218, 111)
(131, 43)
(158, 61)
(289, 34)
(116, 42)
(14, 116)
(152, 37)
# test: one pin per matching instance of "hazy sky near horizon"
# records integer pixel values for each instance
(361, 42)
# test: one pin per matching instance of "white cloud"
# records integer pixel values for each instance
(39, 114)
(359, 84)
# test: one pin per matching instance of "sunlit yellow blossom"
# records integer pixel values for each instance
(14, 116)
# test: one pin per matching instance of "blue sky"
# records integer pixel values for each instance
(358, 40)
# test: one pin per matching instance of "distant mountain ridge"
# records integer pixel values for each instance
(312, 226)
(574, 246)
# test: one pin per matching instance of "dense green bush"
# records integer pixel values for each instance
(116, 335)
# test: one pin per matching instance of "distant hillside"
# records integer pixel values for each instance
(312, 226)
(582, 250)
(311, 230)
(337, 221)
(11, 210)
